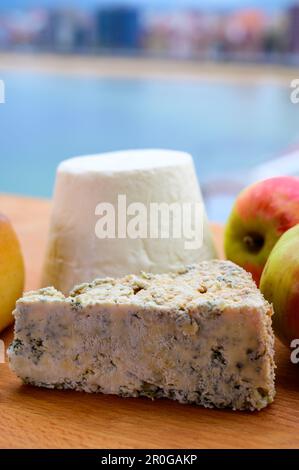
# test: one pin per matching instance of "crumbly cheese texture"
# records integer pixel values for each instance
(202, 335)
(76, 253)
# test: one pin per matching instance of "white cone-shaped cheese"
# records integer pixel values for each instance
(95, 197)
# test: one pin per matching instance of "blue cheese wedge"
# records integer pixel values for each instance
(202, 335)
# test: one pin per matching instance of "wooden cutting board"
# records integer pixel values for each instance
(37, 418)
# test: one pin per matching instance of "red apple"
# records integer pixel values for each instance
(280, 285)
(261, 214)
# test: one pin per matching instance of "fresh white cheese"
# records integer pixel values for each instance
(202, 335)
(133, 184)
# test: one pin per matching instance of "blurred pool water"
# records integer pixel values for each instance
(227, 127)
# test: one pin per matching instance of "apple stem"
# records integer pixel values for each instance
(254, 242)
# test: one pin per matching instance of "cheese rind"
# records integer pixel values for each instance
(202, 335)
(76, 254)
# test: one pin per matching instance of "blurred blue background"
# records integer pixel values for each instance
(230, 126)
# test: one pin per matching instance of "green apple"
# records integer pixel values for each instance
(280, 285)
(11, 271)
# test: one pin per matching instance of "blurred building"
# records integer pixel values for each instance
(240, 34)
(67, 30)
(244, 30)
(20, 29)
(294, 29)
(118, 28)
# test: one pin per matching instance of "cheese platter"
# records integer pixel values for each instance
(40, 418)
